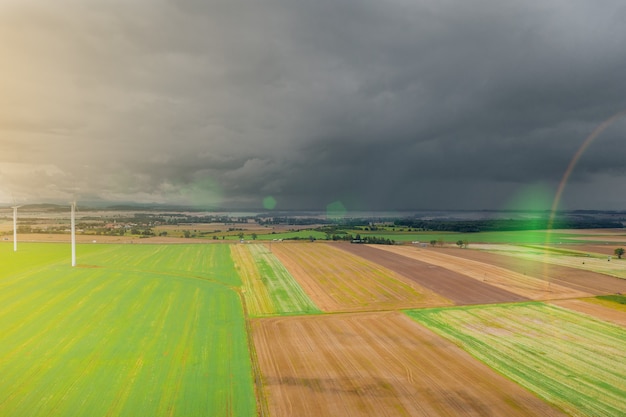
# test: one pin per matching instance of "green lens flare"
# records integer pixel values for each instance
(336, 210)
(269, 203)
(204, 193)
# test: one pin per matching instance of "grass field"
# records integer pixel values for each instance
(210, 262)
(122, 337)
(31, 256)
(269, 288)
(570, 359)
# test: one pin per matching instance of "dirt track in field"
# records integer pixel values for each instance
(587, 281)
(377, 364)
(452, 285)
(596, 310)
(339, 281)
(518, 283)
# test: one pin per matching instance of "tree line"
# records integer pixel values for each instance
(498, 225)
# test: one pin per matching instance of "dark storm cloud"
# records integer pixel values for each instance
(396, 104)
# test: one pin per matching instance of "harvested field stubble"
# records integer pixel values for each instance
(570, 359)
(452, 285)
(338, 281)
(607, 311)
(521, 284)
(585, 281)
(377, 364)
(615, 267)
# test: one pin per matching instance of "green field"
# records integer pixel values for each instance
(269, 289)
(136, 330)
(619, 299)
(567, 358)
(211, 261)
(31, 256)
(286, 294)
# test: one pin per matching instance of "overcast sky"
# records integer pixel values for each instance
(373, 105)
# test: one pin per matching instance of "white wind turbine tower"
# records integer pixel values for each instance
(15, 227)
(73, 230)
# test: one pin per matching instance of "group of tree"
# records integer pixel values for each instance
(241, 235)
(373, 240)
(462, 243)
(493, 225)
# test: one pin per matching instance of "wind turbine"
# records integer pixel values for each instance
(15, 227)
(73, 229)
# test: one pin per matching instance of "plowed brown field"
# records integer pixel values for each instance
(338, 281)
(377, 364)
(518, 283)
(612, 239)
(607, 250)
(457, 287)
(579, 279)
(596, 310)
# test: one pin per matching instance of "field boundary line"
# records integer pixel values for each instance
(261, 401)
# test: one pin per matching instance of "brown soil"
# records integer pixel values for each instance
(596, 310)
(593, 249)
(518, 283)
(609, 239)
(579, 279)
(591, 231)
(377, 364)
(339, 281)
(457, 287)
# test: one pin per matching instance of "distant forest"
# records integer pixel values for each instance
(495, 225)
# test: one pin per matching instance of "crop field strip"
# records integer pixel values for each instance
(603, 250)
(616, 268)
(98, 341)
(452, 285)
(268, 287)
(521, 284)
(379, 363)
(602, 311)
(256, 294)
(570, 359)
(339, 281)
(587, 281)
